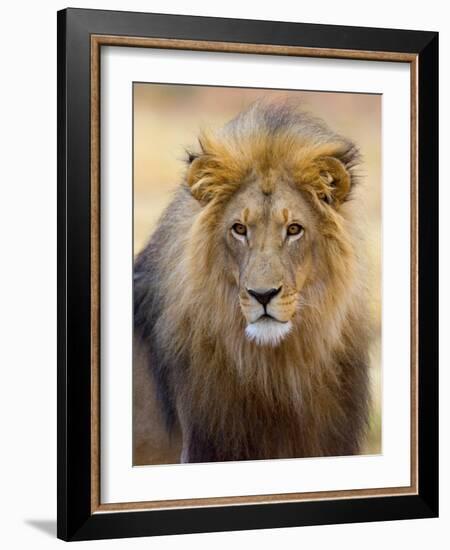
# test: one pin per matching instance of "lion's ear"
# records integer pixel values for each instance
(199, 178)
(200, 167)
(335, 180)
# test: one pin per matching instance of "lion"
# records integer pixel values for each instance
(250, 306)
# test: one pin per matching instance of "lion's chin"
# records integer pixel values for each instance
(268, 332)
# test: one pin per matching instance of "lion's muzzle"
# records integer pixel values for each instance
(268, 318)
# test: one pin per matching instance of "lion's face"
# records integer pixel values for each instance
(269, 238)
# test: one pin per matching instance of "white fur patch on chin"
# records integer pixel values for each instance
(267, 332)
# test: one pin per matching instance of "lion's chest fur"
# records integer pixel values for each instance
(266, 404)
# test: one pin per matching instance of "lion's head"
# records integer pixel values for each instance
(271, 186)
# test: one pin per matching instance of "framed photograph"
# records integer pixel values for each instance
(247, 253)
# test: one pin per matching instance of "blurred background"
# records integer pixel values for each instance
(167, 120)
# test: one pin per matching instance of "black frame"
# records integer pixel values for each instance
(75, 521)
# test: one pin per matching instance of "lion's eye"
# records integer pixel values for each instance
(239, 229)
(294, 229)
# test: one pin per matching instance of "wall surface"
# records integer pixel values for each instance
(28, 274)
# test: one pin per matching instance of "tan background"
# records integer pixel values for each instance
(167, 119)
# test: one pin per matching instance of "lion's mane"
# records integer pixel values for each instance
(233, 399)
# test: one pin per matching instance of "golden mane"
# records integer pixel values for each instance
(307, 396)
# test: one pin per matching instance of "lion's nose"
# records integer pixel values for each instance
(263, 296)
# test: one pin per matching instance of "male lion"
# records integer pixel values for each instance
(250, 307)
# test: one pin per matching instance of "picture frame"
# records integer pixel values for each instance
(81, 36)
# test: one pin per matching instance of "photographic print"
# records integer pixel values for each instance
(257, 274)
(247, 274)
